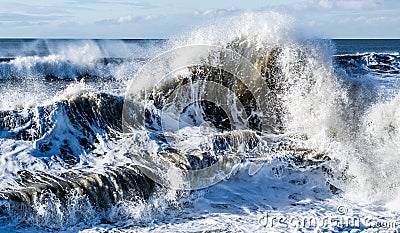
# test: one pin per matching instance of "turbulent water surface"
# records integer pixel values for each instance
(236, 126)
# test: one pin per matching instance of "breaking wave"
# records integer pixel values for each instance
(317, 129)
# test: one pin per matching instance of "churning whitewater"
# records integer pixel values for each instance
(235, 126)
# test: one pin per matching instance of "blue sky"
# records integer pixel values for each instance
(164, 18)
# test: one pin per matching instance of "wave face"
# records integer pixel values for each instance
(232, 123)
(66, 128)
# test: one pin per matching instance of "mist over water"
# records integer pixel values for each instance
(85, 132)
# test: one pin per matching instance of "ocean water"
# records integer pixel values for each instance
(240, 125)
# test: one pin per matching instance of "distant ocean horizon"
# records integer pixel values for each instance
(342, 46)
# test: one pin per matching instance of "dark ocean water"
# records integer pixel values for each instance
(354, 46)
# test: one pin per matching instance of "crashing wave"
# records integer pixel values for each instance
(76, 125)
(311, 120)
(55, 67)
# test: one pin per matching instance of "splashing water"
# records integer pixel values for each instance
(261, 121)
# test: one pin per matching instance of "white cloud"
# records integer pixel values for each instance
(213, 12)
(327, 4)
(131, 3)
(373, 20)
(337, 4)
(149, 17)
(360, 19)
(124, 19)
(312, 23)
(355, 4)
(376, 20)
(28, 18)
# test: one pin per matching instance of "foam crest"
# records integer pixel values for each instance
(264, 28)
